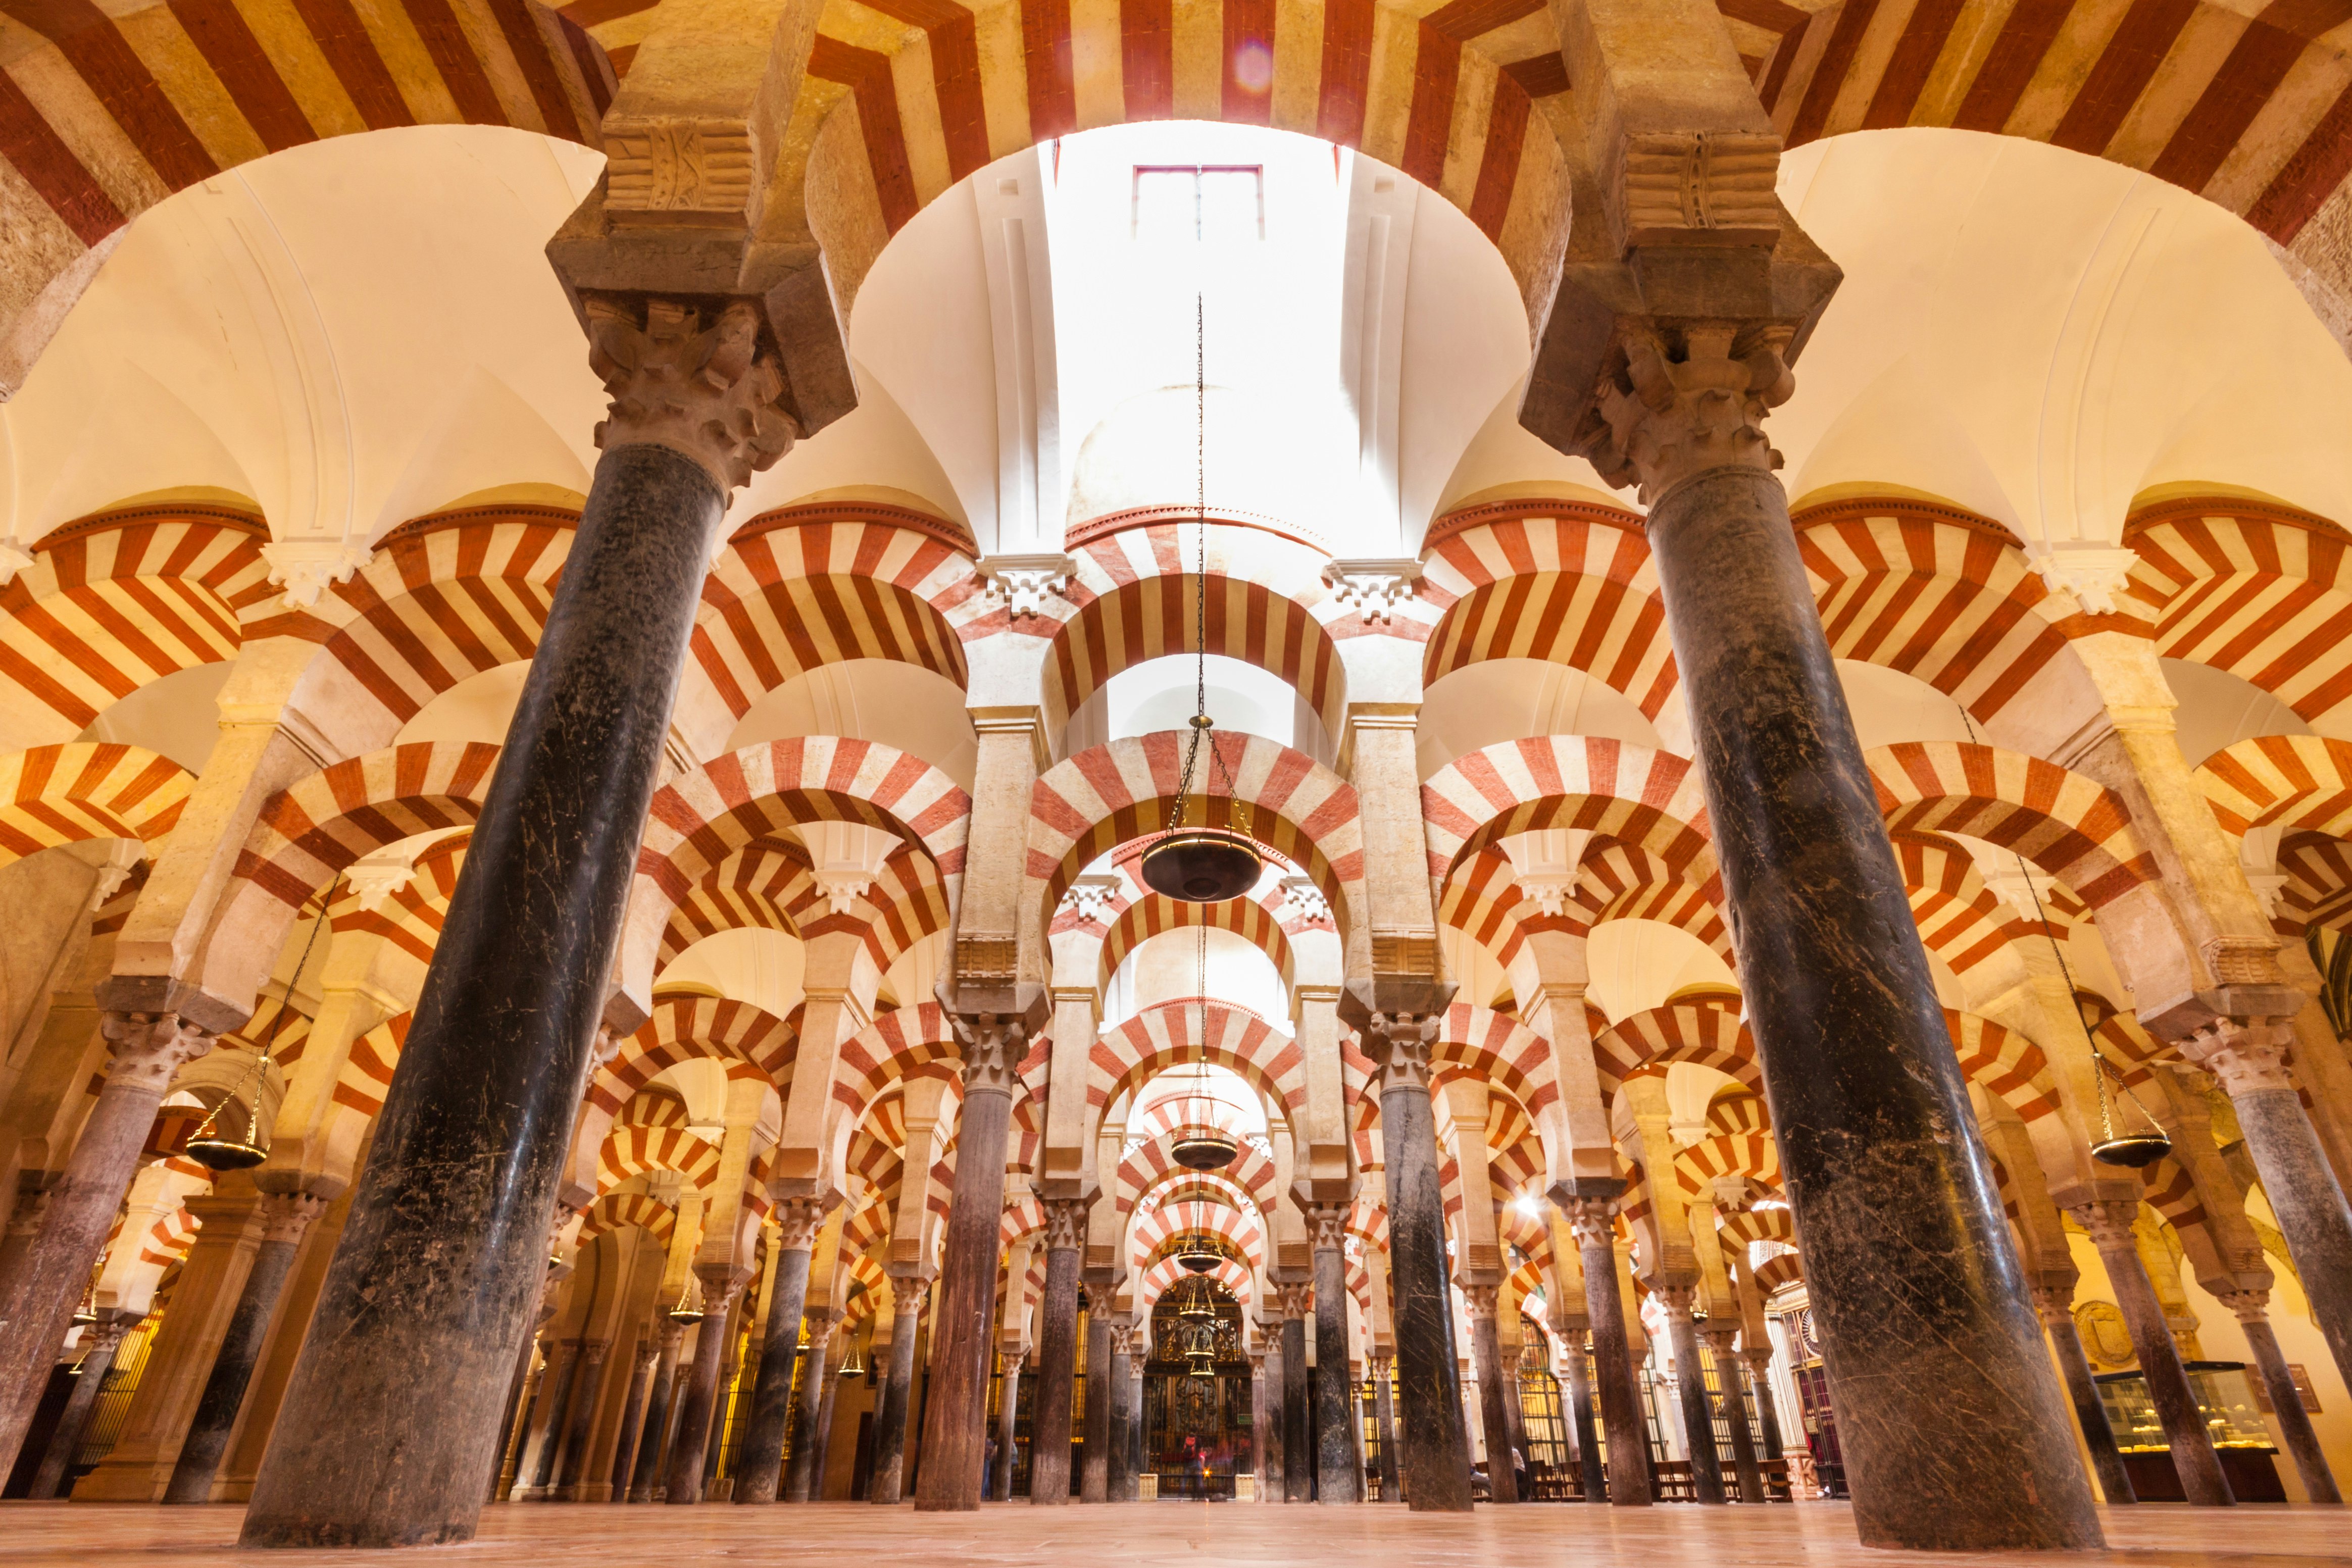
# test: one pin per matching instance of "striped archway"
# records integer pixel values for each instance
(1650, 799)
(54, 795)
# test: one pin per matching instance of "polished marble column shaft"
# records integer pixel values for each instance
(1591, 1482)
(758, 1474)
(2252, 1310)
(887, 1484)
(646, 1474)
(284, 1219)
(1093, 1480)
(1384, 1422)
(697, 1405)
(1274, 1484)
(2200, 1467)
(1486, 1359)
(1690, 1394)
(632, 1417)
(1338, 1471)
(1057, 1354)
(587, 1395)
(1627, 1477)
(101, 1340)
(1735, 1414)
(2056, 1305)
(804, 1454)
(1008, 1415)
(1298, 1417)
(1119, 1477)
(955, 1416)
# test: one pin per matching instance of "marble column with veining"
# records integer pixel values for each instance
(697, 1404)
(2056, 1305)
(39, 1292)
(1592, 1481)
(1008, 1415)
(388, 1430)
(1734, 1399)
(1690, 1392)
(588, 1393)
(647, 1474)
(1119, 1477)
(820, 1447)
(101, 1340)
(1338, 1472)
(1057, 1353)
(632, 1417)
(1626, 1481)
(544, 1436)
(887, 1485)
(1436, 1439)
(803, 1461)
(1094, 1479)
(1949, 1413)
(1297, 1415)
(1384, 1422)
(2199, 1467)
(2251, 1309)
(1487, 1360)
(1274, 1483)
(758, 1473)
(284, 1219)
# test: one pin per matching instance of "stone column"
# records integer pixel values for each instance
(554, 1399)
(2250, 1064)
(2056, 1305)
(1735, 1412)
(2253, 1311)
(1383, 1366)
(1487, 1361)
(38, 1294)
(821, 1449)
(284, 1218)
(1592, 1481)
(647, 1474)
(1339, 1473)
(101, 1340)
(1626, 1481)
(802, 1468)
(1274, 1484)
(1436, 1438)
(440, 1260)
(587, 1392)
(1057, 1352)
(1094, 1478)
(1948, 1410)
(1008, 1415)
(759, 1472)
(955, 1414)
(529, 1374)
(1767, 1416)
(909, 1295)
(1119, 1481)
(1297, 1419)
(2111, 1227)
(698, 1400)
(1690, 1391)
(633, 1415)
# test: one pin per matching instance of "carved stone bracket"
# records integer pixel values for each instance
(1089, 896)
(696, 383)
(307, 568)
(1373, 587)
(1022, 583)
(2090, 574)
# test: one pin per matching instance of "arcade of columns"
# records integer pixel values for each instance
(368, 1339)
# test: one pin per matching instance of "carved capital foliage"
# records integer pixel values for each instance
(992, 1046)
(1592, 1220)
(2054, 1303)
(1065, 1223)
(2247, 1306)
(798, 1219)
(1327, 1223)
(1673, 417)
(1674, 1300)
(1479, 1302)
(285, 1216)
(147, 1049)
(1373, 587)
(2108, 1222)
(669, 1334)
(2244, 1056)
(820, 1324)
(1294, 1301)
(700, 384)
(1399, 1045)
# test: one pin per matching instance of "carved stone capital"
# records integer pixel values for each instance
(147, 1049)
(1090, 897)
(721, 1282)
(1719, 1335)
(669, 1336)
(1064, 1224)
(1479, 1302)
(1758, 1356)
(306, 568)
(285, 1216)
(594, 1351)
(820, 1325)
(2108, 1221)
(2054, 1304)
(702, 386)
(2242, 1056)
(798, 1219)
(1677, 417)
(1122, 1339)
(2247, 1306)
(1592, 1220)
(1399, 1045)
(1327, 1224)
(1294, 1300)
(106, 1335)
(1676, 1299)
(992, 1045)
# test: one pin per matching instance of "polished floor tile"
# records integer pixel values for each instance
(1155, 1536)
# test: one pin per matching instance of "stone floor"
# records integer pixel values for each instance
(1155, 1536)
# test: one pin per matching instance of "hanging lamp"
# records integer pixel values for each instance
(1199, 864)
(1197, 1251)
(689, 1308)
(211, 1146)
(851, 1366)
(1200, 1144)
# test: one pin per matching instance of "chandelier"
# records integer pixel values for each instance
(1197, 864)
(215, 1146)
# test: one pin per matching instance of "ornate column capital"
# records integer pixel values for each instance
(2109, 1221)
(721, 1284)
(107, 1332)
(1327, 1224)
(1372, 587)
(1065, 1223)
(1399, 1045)
(2247, 1306)
(820, 1325)
(992, 1045)
(147, 1049)
(594, 1351)
(669, 1336)
(2054, 1304)
(1122, 1339)
(1677, 417)
(1592, 1220)
(285, 1216)
(702, 385)
(798, 1220)
(1719, 1333)
(2242, 1055)
(1294, 1301)
(1479, 1302)
(1675, 1301)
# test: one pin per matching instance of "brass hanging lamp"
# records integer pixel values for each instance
(687, 1309)
(1198, 863)
(1200, 1144)
(217, 1147)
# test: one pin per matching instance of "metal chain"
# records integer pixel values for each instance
(260, 1072)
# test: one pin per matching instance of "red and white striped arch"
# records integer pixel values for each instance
(619, 1210)
(1089, 804)
(1564, 582)
(2004, 1062)
(53, 795)
(686, 1028)
(1647, 799)
(768, 885)
(1135, 921)
(1152, 1166)
(1959, 918)
(901, 1043)
(2299, 782)
(631, 1151)
(822, 584)
(1754, 1155)
(1501, 1051)
(1648, 1043)
(1178, 1033)
(2072, 827)
(117, 601)
(2318, 891)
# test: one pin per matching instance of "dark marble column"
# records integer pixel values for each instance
(2055, 1306)
(646, 1475)
(1273, 1421)
(1436, 1437)
(1949, 1411)
(955, 1414)
(1297, 1419)
(1094, 1478)
(801, 1468)
(389, 1423)
(1735, 1414)
(1487, 1360)
(39, 1292)
(588, 1392)
(2250, 1066)
(759, 1472)
(1119, 1481)
(2253, 1311)
(632, 1417)
(698, 1402)
(1592, 1481)
(1690, 1393)
(284, 1218)
(1626, 1480)
(2110, 1225)
(1134, 1430)
(101, 1340)
(1057, 1353)
(821, 1445)
(1338, 1472)
(888, 1483)
(1008, 1415)
(554, 1399)
(1759, 1371)
(1384, 1422)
